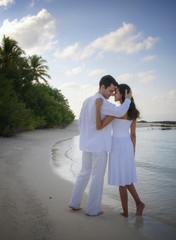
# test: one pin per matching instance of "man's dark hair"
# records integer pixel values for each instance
(107, 80)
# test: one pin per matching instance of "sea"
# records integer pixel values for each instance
(155, 159)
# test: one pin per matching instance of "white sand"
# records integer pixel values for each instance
(33, 199)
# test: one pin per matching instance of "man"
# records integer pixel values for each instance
(95, 145)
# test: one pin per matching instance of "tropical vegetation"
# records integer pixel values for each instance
(27, 101)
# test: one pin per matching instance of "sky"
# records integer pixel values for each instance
(132, 40)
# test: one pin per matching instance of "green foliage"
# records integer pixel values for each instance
(10, 52)
(49, 105)
(38, 69)
(25, 103)
(14, 117)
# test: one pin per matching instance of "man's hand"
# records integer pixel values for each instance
(128, 95)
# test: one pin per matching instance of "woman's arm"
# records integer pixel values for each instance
(133, 133)
(101, 124)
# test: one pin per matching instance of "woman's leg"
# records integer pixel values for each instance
(124, 200)
(139, 204)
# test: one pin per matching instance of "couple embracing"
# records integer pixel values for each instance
(95, 124)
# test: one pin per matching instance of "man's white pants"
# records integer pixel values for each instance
(94, 165)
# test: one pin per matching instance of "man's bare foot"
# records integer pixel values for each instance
(75, 209)
(140, 209)
(99, 213)
(124, 214)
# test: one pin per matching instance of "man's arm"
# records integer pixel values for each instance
(112, 110)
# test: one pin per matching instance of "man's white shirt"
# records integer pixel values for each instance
(91, 139)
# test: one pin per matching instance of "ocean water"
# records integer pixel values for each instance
(156, 171)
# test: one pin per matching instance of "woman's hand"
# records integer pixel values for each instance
(128, 95)
(99, 102)
(106, 121)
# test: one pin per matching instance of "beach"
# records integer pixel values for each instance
(34, 199)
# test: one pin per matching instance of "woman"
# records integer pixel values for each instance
(122, 170)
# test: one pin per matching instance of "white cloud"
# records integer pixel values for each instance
(71, 51)
(158, 98)
(74, 71)
(35, 34)
(159, 107)
(77, 93)
(68, 85)
(135, 92)
(146, 76)
(143, 77)
(125, 77)
(32, 4)
(148, 58)
(124, 39)
(97, 72)
(5, 3)
(164, 105)
(169, 97)
(172, 93)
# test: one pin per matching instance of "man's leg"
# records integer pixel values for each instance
(99, 162)
(81, 181)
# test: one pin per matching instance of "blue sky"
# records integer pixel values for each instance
(132, 40)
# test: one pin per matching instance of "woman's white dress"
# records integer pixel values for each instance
(122, 169)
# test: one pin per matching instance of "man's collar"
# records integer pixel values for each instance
(100, 95)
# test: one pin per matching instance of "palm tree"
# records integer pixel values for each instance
(39, 70)
(10, 52)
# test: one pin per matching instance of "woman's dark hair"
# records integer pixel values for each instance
(133, 113)
(107, 80)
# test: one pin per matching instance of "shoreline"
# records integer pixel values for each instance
(162, 124)
(34, 199)
(160, 228)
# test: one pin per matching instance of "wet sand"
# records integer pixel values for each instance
(34, 200)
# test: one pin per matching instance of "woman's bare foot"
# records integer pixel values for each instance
(124, 214)
(99, 213)
(75, 209)
(140, 209)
